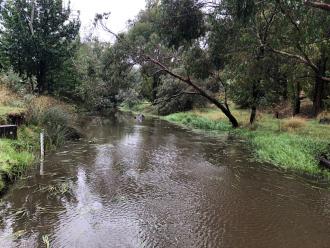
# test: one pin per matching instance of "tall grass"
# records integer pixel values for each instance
(293, 123)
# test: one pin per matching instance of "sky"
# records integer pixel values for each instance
(121, 12)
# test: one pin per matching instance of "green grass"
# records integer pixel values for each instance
(288, 151)
(297, 149)
(16, 156)
(194, 121)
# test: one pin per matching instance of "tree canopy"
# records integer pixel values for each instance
(37, 38)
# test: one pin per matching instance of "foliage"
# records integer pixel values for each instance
(56, 124)
(12, 81)
(55, 117)
(180, 22)
(37, 38)
(167, 104)
(106, 76)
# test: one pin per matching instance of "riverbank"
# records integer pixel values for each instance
(31, 114)
(291, 143)
(16, 156)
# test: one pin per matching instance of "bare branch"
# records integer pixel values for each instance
(317, 4)
(325, 79)
(295, 56)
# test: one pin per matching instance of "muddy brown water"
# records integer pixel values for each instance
(154, 184)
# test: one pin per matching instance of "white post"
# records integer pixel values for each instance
(41, 168)
(42, 145)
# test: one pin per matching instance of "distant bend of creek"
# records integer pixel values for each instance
(154, 184)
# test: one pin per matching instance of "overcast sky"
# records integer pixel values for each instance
(121, 12)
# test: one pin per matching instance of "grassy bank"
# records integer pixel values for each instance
(16, 156)
(34, 113)
(292, 143)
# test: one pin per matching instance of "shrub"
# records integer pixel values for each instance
(56, 123)
(55, 117)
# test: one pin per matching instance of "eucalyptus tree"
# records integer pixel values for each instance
(302, 35)
(187, 18)
(38, 37)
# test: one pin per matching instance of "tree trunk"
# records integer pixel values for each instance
(296, 100)
(155, 82)
(285, 90)
(224, 109)
(318, 95)
(253, 114)
(254, 102)
(41, 78)
(319, 86)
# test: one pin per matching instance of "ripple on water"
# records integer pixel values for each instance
(156, 185)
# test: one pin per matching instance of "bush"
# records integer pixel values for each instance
(55, 117)
(56, 123)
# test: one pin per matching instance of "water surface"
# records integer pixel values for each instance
(153, 184)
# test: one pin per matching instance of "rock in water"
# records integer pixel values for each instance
(140, 117)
